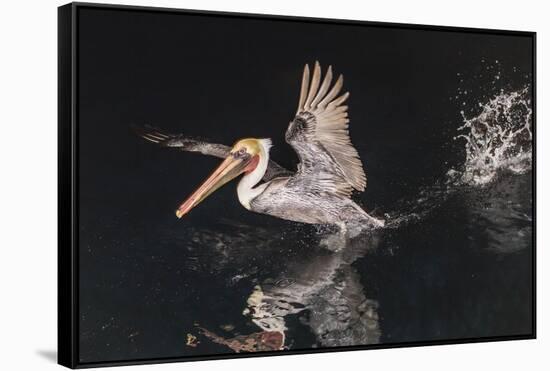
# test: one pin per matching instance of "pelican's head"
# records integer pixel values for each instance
(243, 158)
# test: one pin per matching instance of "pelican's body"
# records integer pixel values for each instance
(285, 198)
(292, 198)
(319, 192)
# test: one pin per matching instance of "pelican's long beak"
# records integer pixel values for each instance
(229, 169)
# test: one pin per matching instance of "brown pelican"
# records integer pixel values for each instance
(319, 192)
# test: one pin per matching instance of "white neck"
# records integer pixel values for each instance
(245, 189)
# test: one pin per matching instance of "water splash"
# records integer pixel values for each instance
(498, 138)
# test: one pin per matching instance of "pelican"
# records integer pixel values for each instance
(319, 191)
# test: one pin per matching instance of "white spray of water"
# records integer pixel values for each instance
(498, 138)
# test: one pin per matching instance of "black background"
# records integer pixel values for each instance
(225, 78)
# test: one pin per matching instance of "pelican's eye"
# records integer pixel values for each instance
(240, 153)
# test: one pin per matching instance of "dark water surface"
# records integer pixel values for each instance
(464, 271)
(454, 262)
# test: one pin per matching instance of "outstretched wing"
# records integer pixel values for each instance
(319, 134)
(190, 144)
(182, 142)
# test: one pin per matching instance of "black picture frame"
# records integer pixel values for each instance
(68, 183)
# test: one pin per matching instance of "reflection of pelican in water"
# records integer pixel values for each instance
(323, 289)
(330, 168)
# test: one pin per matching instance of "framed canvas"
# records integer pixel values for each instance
(235, 185)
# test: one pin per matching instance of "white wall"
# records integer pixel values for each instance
(28, 150)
